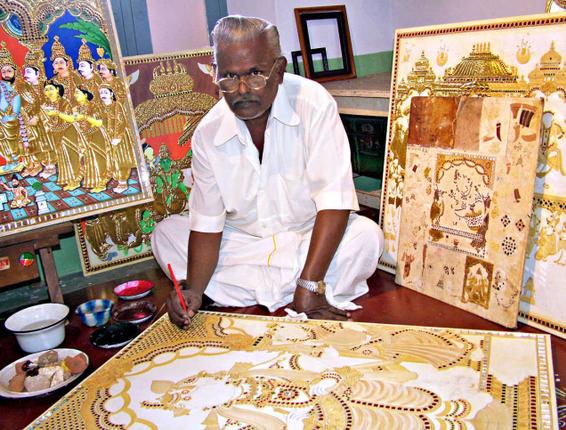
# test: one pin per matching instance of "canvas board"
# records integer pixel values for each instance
(170, 94)
(68, 149)
(510, 57)
(244, 371)
(468, 195)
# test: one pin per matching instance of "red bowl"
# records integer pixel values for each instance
(132, 290)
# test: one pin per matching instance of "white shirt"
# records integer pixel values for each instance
(305, 167)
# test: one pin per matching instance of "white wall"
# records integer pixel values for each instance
(362, 17)
(373, 22)
(415, 13)
(177, 25)
(181, 24)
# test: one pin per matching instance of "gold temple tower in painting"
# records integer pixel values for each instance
(481, 73)
(549, 75)
(420, 78)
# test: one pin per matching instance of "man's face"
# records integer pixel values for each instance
(244, 58)
(7, 73)
(31, 75)
(105, 96)
(60, 66)
(85, 69)
(104, 71)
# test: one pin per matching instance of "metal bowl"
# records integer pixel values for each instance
(39, 327)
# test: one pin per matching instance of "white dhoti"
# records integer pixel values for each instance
(253, 270)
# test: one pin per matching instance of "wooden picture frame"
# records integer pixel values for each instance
(295, 55)
(317, 26)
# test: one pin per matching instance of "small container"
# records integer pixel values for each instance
(39, 327)
(133, 290)
(95, 312)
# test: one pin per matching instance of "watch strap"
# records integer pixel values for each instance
(317, 287)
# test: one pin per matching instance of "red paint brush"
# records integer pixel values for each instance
(177, 288)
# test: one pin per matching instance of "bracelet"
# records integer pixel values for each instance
(317, 287)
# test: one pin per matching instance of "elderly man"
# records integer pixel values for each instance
(270, 217)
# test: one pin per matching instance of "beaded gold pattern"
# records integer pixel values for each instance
(236, 371)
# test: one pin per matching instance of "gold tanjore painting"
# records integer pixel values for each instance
(511, 57)
(469, 179)
(68, 143)
(170, 94)
(242, 372)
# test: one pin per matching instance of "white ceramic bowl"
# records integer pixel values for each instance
(39, 327)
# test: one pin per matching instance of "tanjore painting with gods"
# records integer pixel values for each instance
(511, 57)
(170, 94)
(68, 145)
(248, 372)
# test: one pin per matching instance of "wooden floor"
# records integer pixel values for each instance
(385, 303)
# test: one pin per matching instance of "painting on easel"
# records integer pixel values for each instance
(68, 142)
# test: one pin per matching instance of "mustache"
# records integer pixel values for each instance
(245, 99)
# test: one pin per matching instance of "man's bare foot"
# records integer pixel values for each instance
(315, 306)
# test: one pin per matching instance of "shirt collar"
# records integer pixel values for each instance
(231, 126)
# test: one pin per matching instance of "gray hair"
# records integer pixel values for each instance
(238, 28)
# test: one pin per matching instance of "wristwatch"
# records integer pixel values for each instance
(317, 287)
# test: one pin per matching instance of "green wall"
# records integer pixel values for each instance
(368, 64)
(67, 257)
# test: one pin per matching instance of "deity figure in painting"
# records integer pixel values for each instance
(10, 106)
(63, 71)
(69, 148)
(122, 158)
(39, 155)
(89, 79)
(87, 119)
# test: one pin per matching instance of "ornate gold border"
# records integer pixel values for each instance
(89, 269)
(148, 58)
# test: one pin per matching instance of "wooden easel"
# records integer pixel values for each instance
(42, 240)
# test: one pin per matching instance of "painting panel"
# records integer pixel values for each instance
(170, 94)
(68, 142)
(511, 57)
(236, 371)
(469, 187)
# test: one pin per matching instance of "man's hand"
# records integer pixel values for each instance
(176, 313)
(316, 306)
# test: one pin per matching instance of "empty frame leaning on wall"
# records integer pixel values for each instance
(68, 142)
(325, 27)
(518, 57)
(170, 94)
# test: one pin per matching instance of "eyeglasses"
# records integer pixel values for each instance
(253, 80)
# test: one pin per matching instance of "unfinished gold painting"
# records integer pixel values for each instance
(242, 372)
(467, 202)
(511, 57)
(170, 94)
(68, 144)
